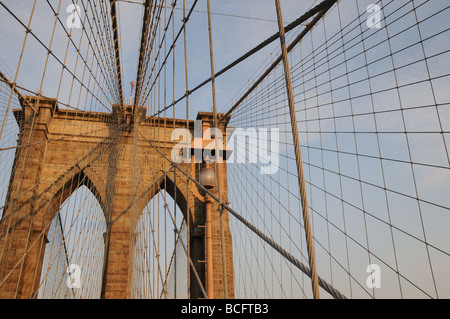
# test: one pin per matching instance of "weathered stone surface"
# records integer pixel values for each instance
(64, 149)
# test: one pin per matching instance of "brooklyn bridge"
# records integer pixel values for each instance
(258, 149)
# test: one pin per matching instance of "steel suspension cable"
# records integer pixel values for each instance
(326, 286)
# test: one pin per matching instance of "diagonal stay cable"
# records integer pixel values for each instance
(145, 26)
(101, 146)
(116, 47)
(185, 20)
(322, 283)
(177, 230)
(14, 88)
(280, 58)
(325, 5)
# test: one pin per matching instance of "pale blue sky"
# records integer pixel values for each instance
(417, 109)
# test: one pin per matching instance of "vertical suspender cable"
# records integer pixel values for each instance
(218, 165)
(188, 212)
(117, 49)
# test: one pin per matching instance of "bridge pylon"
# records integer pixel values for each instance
(61, 150)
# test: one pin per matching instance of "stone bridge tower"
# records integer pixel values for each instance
(61, 150)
